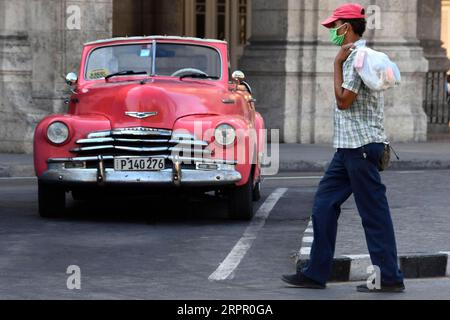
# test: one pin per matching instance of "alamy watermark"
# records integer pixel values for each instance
(247, 146)
(374, 280)
(73, 20)
(74, 279)
(373, 13)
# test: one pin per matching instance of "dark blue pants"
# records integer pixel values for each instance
(353, 171)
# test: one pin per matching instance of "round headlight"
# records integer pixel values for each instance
(58, 132)
(225, 134)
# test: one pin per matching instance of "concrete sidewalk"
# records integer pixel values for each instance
(293, 157)
(413, 156)
(16, 165)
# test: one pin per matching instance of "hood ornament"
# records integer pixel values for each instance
(141, 115)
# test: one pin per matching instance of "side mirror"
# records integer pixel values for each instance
(71, 78)
(238, 76)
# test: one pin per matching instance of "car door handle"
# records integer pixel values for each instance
(228, 101)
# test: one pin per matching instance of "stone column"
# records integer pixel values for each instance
(16, 109)
(264, 62)
(445, 24)
(429, 34)
(289, 62)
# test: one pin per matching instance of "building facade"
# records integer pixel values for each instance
(279, 44)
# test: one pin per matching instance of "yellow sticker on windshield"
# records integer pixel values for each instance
(98, 73)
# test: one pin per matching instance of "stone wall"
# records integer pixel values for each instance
(38, 46)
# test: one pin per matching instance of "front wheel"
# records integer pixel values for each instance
(52, 200)
(257, 191)
(240, 201)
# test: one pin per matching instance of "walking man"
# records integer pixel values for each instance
(360, 139)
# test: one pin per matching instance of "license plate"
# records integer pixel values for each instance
(139, 164)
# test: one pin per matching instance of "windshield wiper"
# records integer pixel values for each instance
(198, 76)
(124, 73)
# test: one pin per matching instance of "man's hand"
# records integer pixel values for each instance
(344, 53)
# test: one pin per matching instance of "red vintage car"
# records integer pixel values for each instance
(152, 112)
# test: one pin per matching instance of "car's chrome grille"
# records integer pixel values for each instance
(141, 141)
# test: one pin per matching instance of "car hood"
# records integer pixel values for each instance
(167, 101)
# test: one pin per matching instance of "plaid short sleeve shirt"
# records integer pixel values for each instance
(363, 122)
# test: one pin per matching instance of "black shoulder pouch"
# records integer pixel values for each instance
(385, 160)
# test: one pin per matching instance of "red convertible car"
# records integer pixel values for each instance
(148, 113)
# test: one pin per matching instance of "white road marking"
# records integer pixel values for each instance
(307, 240)
(293, 178)
(17, 178)
(305, 251)
(409, 172)
(234, 258)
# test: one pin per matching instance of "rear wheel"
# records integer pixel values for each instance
(240, 201)
(52, 200)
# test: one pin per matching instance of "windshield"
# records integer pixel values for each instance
(171, 60)
(108, 60)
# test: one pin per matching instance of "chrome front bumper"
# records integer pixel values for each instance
(57, 173)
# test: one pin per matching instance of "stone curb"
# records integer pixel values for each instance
(354, 268)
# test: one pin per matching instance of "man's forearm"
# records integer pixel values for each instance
(338, 80)
(344, 98)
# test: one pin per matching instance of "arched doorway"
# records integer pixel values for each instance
(228, 20)
(147, 17)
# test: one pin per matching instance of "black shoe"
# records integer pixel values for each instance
(397, 287)
(301, 281)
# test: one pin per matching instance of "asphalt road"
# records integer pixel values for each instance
(125, 251)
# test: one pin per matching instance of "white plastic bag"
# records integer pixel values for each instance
(376, 70)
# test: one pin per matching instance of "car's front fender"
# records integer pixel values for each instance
(79, 127)
(245, 149)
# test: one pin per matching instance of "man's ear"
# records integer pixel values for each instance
(349, 27)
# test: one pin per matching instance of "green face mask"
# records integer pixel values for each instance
(335, 38)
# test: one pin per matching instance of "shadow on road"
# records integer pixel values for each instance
(171, 209)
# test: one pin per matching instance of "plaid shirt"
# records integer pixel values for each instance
(363, 122)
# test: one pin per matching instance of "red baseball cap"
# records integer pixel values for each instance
(346, 11)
